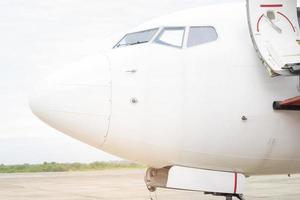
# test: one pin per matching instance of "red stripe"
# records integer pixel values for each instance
(235, 183)
(291, 101)
(271, 5)
(288, 20)
(257, 25)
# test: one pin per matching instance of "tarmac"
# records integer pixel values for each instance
(127, 184)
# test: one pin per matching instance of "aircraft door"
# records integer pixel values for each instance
(274, 31)
(128, 88)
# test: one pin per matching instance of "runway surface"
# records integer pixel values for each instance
(126, 185)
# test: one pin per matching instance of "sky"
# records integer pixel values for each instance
(39, 37)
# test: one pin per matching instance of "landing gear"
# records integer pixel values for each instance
(227, 196)
(239, 196)
(226, 184)
(151, 188)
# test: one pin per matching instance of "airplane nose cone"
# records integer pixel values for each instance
(77, 100)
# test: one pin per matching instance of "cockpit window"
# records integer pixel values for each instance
(137, 38)
(171, 37)
(201, 34)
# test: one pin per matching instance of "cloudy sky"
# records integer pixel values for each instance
(38, 37)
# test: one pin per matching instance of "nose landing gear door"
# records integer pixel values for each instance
(274, 31)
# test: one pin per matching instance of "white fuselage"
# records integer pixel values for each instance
(180, 106)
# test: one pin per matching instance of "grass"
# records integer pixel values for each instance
(65, 167)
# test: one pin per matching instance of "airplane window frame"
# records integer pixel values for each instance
(206, 42)
(161, 31)
(156, 30)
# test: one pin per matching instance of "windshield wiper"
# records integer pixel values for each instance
(138, 42)
(129, 44)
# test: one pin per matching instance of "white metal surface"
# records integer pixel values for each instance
(205, 180)
(190, 101)
(77, 103)
(275, 33)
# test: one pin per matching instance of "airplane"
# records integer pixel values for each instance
(204, 97)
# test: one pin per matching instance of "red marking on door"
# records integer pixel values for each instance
(258, 22)
(271, 5)
(288, 20)
(292, 101)
(235, 183)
